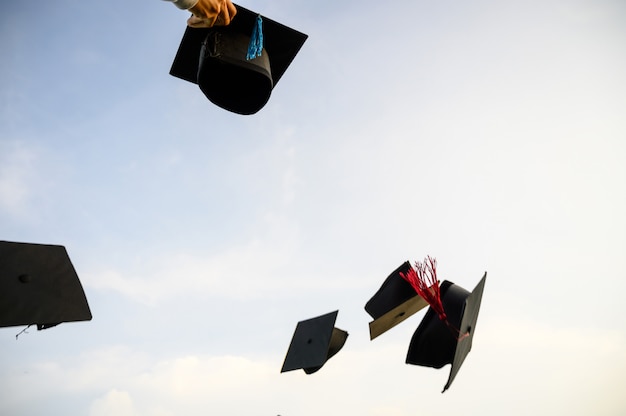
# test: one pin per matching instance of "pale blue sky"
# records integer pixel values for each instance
(489, 135)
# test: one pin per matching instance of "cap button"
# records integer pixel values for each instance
(24, 278)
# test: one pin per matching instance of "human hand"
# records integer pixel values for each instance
(208, 13)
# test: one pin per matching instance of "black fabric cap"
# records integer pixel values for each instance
(435, 344)
(215, 59)
(314, 341)
(395, 301)
(39, 286)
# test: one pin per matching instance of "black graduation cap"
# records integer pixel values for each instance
(395, 301)
(39, 286)
(314, 342)
(436, 343)
(216, 59)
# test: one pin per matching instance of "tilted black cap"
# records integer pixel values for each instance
(435, 343)
(215, 59)
(314, 341)
(395, 301)
(39, 286)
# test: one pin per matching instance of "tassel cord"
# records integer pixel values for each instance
(423, 278)
(255, 47)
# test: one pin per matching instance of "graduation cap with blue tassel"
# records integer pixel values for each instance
(237, 66)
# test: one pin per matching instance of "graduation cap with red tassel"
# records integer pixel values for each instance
(445, 334)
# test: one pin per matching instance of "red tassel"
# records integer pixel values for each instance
(424, 280)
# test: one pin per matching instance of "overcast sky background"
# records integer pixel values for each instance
(489, 134)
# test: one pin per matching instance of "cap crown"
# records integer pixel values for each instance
(436, 343)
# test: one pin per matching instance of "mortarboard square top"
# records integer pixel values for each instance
(436, 343)
(395, 301)
(39, 286)
(216, 59)
(314, 342)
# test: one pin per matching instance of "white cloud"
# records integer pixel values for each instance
(263, 267)
(115, 402)
(515, 367)
(249, 270)
(548, 369)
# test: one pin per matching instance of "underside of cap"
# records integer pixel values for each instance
(229, 80)
(280, 43)
(433, 344)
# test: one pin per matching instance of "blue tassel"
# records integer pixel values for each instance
(256, 40)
